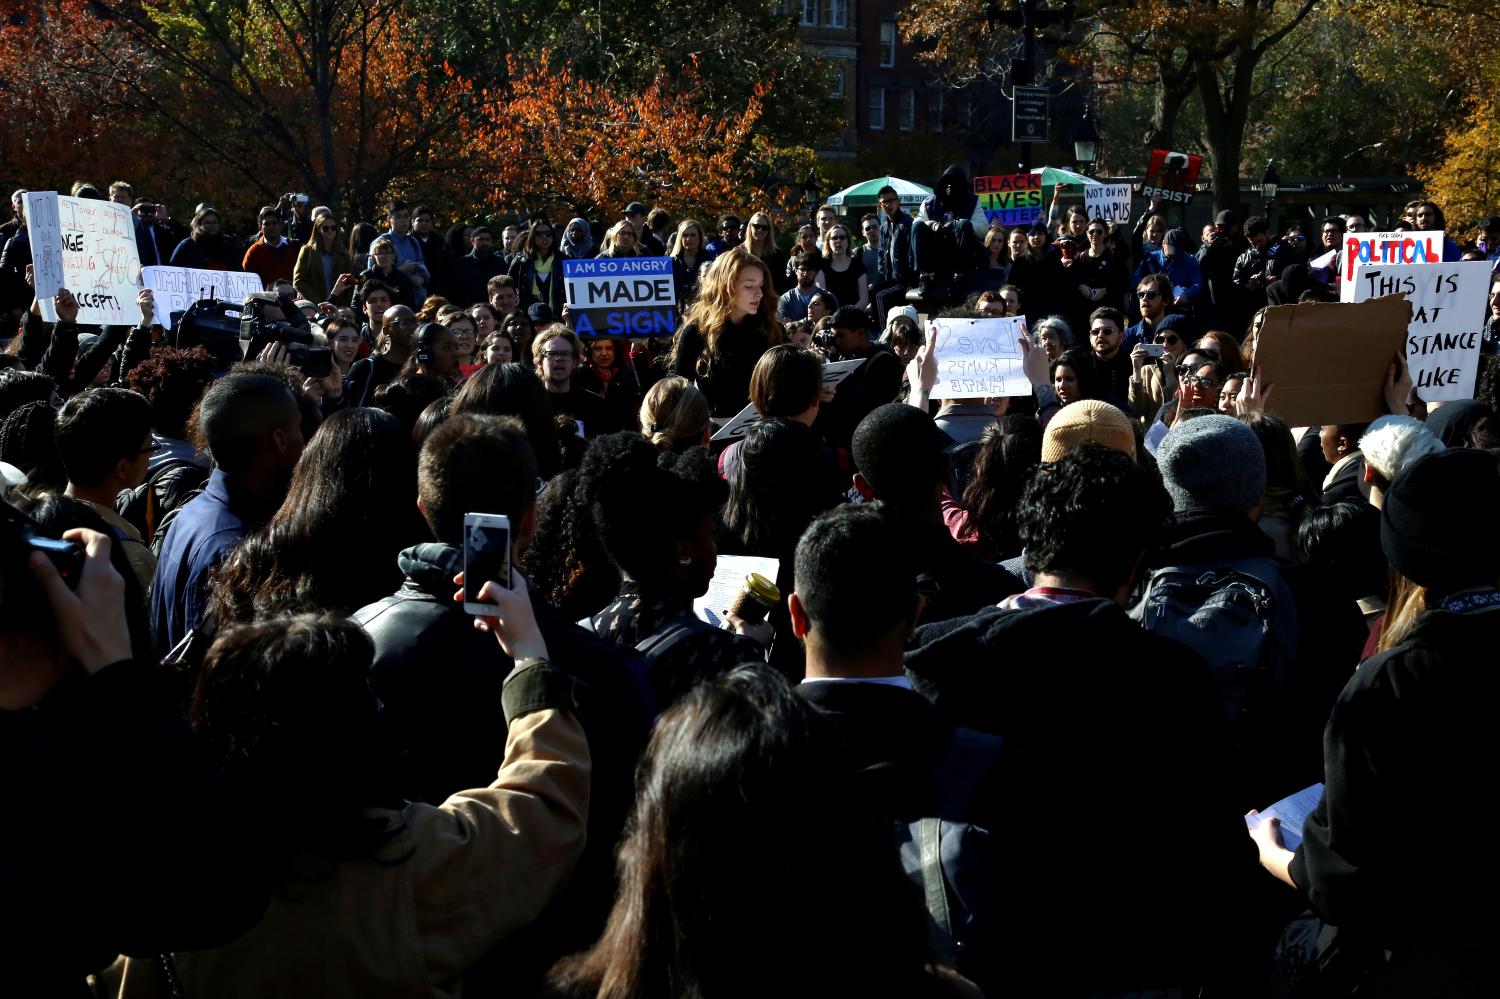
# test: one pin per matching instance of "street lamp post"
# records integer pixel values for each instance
(1270, 182)
(812, 193)
(1086, 144)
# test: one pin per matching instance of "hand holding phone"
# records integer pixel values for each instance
(486, 558)
(1155, 350)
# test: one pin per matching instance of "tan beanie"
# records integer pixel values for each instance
(1087, 420)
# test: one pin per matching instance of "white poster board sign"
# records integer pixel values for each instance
(1448, 307)
(1363, 249)
(978, 358)
(1110, 202)
(175, 289)
(87, 247)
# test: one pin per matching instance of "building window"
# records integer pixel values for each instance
(835, 13)
(836, 89)
(877, 108)
(907, 109)
(887, 44)
(809, 13)
(936, 123)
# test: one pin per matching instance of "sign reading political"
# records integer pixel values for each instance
(1364, 248)
(1171, 176)
(1327, 361)
(1109, 202)
(87, 247)
(833, 374)
(1029, 116)
(624, 297)
(1010, 199)
(1448, 307)
(175, 289)
(978, 358)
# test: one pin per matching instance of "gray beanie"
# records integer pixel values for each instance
(1212, 463)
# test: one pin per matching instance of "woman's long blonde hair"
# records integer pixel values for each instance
(760, 247)
(714, 307)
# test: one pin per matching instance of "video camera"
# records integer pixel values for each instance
(212, 325)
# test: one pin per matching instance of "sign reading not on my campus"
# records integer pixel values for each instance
(625, 297)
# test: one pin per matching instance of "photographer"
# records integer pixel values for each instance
(81, 720)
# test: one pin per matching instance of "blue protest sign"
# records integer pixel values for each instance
(623, 297)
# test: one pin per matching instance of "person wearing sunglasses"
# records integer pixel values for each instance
(1199, 380)
(537, 269)
(729, 234)
(1153, 378)
(760, 240)
(1183, 272)
(843, 272)
(324, 271)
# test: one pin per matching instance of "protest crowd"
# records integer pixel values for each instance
(802, 665)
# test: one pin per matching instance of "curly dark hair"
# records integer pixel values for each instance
(172, 381)
(620, 472)
(1060, 523)
(565, 561)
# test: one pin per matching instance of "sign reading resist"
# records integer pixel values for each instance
(1448, 307)
(626, 297)
(87, 247)
(978, 358)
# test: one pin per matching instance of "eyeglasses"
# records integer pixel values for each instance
(760, 227)
(556, 355)
(726, 228)
(1104, 331)
(1096, 232)
(1148, 293)
(1170, 339)
(838, 239)
(1204, 381)
(328, 228)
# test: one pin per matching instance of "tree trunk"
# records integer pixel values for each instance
(1225, 113)
(1174, 85)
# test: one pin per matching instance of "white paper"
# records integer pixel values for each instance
(978, 358)
(728, 581)
(1292, 811)
(175, 289)
(1110, 202)
(88, 247)
(1371, 249)
(1449, 304)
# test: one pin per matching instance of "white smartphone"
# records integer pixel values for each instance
(1155, 349)
(486, 557)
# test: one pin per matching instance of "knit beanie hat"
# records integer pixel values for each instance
(1087, 420)
(1212, 462)
(1423, 534)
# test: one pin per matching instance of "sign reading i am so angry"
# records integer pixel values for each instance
(625, 297)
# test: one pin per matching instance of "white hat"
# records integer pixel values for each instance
(903, 312)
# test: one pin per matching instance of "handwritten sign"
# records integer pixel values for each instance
(625, 297)
(1448, 307)
(1171, 176)
(87, 247)
(175, 289)
(1010, 199)
(739, 426)
(978, 358)
(1109, 202)
(1362, 248)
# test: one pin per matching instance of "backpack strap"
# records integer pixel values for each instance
(935, 890)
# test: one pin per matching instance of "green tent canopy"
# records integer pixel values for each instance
(862, 195)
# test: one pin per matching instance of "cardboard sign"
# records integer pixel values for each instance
(1010, 199)
(629, 297)
(978, 358)
(746, 418)
(87, 247)
(1362, 248)
(175, 289)
(1110, 202)
(1448, 307)
(1171, 176)
(1328, 361)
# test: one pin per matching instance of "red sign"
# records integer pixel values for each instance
(1171, 176)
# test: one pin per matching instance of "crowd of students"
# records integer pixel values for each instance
(1025, 666)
